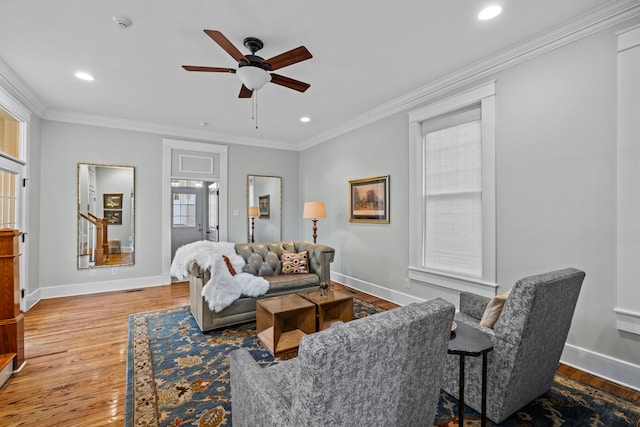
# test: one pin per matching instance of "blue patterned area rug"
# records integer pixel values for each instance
(179, 376)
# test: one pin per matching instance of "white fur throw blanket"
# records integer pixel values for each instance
(223, 288)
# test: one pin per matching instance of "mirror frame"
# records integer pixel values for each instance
(271, 204)
(85, 219)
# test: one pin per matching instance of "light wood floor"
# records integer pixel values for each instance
(76, 350)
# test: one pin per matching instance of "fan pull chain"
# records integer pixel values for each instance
(253, 106)
(256, 118)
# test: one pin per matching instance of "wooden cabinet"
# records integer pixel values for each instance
(11, 318)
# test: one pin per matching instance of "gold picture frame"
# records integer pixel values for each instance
(264, 204)
(112, 200)
(114, 217)
(369, 200)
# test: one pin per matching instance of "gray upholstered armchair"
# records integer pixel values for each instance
(528, 339)
(385, 369)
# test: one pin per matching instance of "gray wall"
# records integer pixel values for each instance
(556, 187)
(374, 253)
(64, 145)
(245, 160)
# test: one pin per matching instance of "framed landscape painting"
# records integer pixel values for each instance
(112, 200)
(369, 200)
(113, 217)
(264, 204)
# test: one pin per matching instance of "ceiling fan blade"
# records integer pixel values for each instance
(208, 69)
(245, 92)
(225, 44)
(289, 82)
(293, 56)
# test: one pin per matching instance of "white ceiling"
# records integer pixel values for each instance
(365, 54)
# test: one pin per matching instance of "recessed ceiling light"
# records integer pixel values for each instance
(84, 76)
(122, 22)
(305, 119)
(489, 12)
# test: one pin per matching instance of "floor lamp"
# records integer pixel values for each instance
(253, 213)
(314, 210)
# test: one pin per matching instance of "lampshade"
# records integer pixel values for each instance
(314, 210)
(252, 77)
(254, 211)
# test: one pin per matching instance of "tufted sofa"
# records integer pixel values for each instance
(262, 259)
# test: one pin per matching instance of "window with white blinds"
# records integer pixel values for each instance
(452, 192)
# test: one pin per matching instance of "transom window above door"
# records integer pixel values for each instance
(9, 134)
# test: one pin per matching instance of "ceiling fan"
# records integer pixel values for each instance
(253, 70)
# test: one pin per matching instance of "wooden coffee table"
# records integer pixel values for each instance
(335, 306)
(282, 321)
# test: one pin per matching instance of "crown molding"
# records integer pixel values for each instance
(166, 131)
(605, 16)
(14, 86)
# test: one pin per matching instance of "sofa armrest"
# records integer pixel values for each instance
(320, 256)
(473, 305)
(257, 400)
(195, 270)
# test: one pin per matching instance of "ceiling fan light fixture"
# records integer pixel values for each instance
(252, 77)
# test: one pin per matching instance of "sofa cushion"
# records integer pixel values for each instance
(295, 263)
(263, 259)
(288, 281)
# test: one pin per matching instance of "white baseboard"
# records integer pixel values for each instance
(32, 299)
(600, 365)
(97, 287)
(603, 366)
(396, 297)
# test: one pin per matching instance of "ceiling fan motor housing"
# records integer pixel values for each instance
(253, 44)
(255, 61)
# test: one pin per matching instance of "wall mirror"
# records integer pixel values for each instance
(106, 196)
(264, 208)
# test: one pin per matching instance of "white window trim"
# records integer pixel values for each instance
(20, 167)
(485, 95)
(627, 309)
